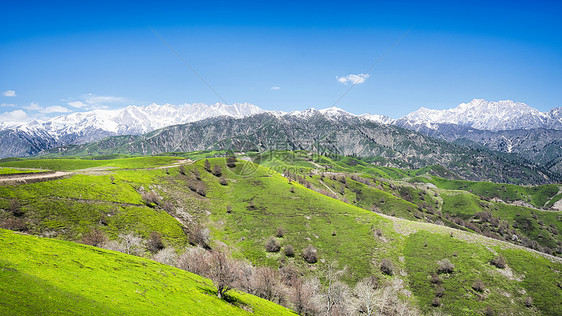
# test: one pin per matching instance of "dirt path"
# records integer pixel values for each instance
(33, 177)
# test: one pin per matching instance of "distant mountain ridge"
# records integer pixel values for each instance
(30, 138)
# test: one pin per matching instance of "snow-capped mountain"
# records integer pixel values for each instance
(486, 115)
(24, 139)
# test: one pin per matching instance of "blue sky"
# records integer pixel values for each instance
(57, 57)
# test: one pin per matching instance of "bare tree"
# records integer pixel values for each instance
(302, 296)
(196, 260)
(199, 235)
(266, 284)
(223, 272)
(132, 244)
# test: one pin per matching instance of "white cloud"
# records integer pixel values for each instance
(14, 116)
(33, 106)
(95, 100)
(275, 88)
(8, 105)
(9, 93)
(77, 104)
(353, 79)
(55, 109)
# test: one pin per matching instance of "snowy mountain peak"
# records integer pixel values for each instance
(487, 115)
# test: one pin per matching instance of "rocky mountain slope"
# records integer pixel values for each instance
(26, 139)
(324, 132)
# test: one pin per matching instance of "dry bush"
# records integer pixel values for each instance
(439, 291)
(94, 238)
(151, 198)
(231, 161)
(288, 275)
(223, 181)
(14, 223)
(302, 296)
(207, 165)
(155, 243)
(166, 256)
(478, 286)
(132, 244)
(199, 235)
(265, 283)
(445, 266)
(289, 251)
(528, 301)
(310, 254)
(195, 260)
(217, 171)
(499, 262)
(387, 267)
(436, 301)
(272, 245)
(280, 232)
(435, 278)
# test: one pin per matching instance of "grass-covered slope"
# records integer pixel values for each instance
(246, 204)
(40, 276)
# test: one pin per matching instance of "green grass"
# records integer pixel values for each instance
(83, 163)
(43, 276)
(6, 171)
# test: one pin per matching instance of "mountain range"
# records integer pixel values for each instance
(492, 127)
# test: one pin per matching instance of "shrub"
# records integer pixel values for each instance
(478, 286)
(289, 251)
(14, 223)
(207, 165)
(272, 245)
(154, 243)
(196, 173)
(196, 260)
(217, 171)
(528, 301)
(280, 232)
(229, 208)
(435, 278)
(436, 301)
(94, 238)
(199, 235)
(223, 181)
(166, 256)
(265, 283)
(386, 266)
(151, 198)
(499, 262)
(439, 291)
(378, 232)
(182, 169)
(231, 161)
(310, 254)
(489, 311)
(445, 266)
(15, 208)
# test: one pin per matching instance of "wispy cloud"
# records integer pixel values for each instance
(91, 101)
(9, 93)
(33, 106)
(275, 88)
(353, 79)
(14, 116)
(54, 109)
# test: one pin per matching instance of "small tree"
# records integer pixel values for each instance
(196, 173)
(289, 251)
(155, 243)
(207, 165)
(217, 171)
(272, 245)
(280, 232)
(265, 283)
(231, 161)
(386, 266)
(223, 272)
(310, 254)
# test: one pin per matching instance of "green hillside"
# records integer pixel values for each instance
(40, 276)
(245, 205)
